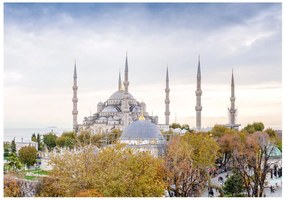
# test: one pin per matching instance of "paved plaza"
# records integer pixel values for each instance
(268, 193)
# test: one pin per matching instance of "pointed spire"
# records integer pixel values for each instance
(120, 87)
(233, 83)
(167, 78)
(199, 70)
(75, 73)
(126, 81)
(126, 64)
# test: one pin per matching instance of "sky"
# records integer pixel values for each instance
(43, 40)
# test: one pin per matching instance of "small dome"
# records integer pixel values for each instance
(100, 104)
(119, 95)
(275, 152)
(141, 129)
(109, 109)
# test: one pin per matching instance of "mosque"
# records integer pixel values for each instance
(120, 110)
(141, 131)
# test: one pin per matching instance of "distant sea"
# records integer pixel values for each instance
(26, 133)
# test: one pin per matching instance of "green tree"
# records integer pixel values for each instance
(234, 185)
(272, 133)
(7, 147)
(28, 155)
(40, 145)
(219, 130)
(50, 140)
(60, 141)
(175, 125)
(84, 138)
(13, 146)
(34, 137)
(13, 163)
(186, 127)
(256, 126)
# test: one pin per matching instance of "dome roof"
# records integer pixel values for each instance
(275, 152)
(141, 129)
(119, 95)
(109, 109)
(100, 103)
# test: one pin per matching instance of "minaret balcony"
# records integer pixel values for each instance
(167, 90)
(74, 112)
(198, 93)
(74, 99)
(167, 101)
(233, 98)
(75, 87)
(198, 108)
(167, 113)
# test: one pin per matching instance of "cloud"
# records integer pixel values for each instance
(43, 40)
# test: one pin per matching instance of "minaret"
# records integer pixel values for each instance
(198, 92)
(232, 110)
(125, 102)
(120, 86)
(167, 101)
(75, 100)
(126, 82)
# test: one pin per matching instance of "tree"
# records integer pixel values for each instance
(11, 188)
(219, 130)
(252, 162)
(88, 193)
(40, 145)
(13, 146)
(186, 127)
(114, 172)
(228, 144)
(50, 141)
(256, 126)
(14, 163)
(34, 137)
(7, 147)
(175, 125)
(49, 187)
(187, 161)
(28, 155)
(234, 185)
(84, 138)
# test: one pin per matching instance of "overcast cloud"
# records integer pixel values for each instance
(42, 41)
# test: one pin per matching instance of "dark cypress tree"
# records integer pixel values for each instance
(13, 146)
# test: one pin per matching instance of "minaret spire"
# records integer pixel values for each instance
(75, 100)
(232, 110)
(126, 82)
(198, 92)
(120, 86)
(167, 101)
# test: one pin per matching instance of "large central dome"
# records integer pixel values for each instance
(141, 129)
(119, 95)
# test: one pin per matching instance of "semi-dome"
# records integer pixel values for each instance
(141, 129)
(119, 95)
(109, 109)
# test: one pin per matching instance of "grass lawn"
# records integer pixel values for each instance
(40, 172)
(30, 177)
